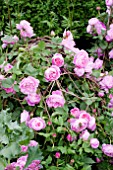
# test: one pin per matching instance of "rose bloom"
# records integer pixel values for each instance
(94, 142)
(93, 21)
(111, 54)
(9, 90)
(75, 112)
(28, 85)
(24, 148)
(107, 149)
(25, 29)
(98, 64)
(79, 71)
(84, 135)
(32, 99)
(81, 59)
(85, 115)
(24, 117)
(52, 73)
(107, 82)
(58, 60)
(92, 124)
(55, 100)
(57, 155)
(8, 67)
(78, 125)
(37, 123)
(109, 2)
(33, 143)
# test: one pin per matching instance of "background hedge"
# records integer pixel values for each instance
(47, 15)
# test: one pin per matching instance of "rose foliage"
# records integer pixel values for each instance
(56, 100)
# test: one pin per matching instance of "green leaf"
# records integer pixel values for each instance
(7, 82)
(41, 45)
(30, 70)
(33, 154)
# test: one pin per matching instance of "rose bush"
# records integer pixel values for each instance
(56, 100)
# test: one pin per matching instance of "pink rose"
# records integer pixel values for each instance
(111, 54)
(29, 85)
(75, 112)
(81, 59)
(98, 64)
(58, 60)
(85, 115)
(57, 155)
(32, 99)
(37, 123)
(33, 143)
(107, 149)
(52, 73)
(7, 67)
(84, 135)
(79, 71)
(92, 124)
(109, 2)
(25, 116)
(55, 100)
(25, 29)
(94, 142)
(24, 148)
(107, 82)
(78, 125)
(93, 21)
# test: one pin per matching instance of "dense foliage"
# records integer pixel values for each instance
(50, 15)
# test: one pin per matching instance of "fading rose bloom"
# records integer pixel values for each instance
(107, 82)
(25, 29)
(78, 125)
(70, 138)
(25, 116)
(79, 71)
(57, 155)
(84, 135)
(111, 54)
(33, 143)
(28, 85)
(24, 148)
(99, 27)
(58, 60)
(107, 149)
(92, 124)
(93, 21)
(89, 29)
(55, 100)
(36, 123)
(94, 142)
(52, 73)
(75, 112)
(32, 99)
(101, 94)
(98, 64)
(8, 67)
(81, 59)
(109, 2)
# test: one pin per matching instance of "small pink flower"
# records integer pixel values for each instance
(79, 71)
(101, 94)
(32, 99)
(85, 135)
(92, 124)
(75, 112)
(55, 100)
(58, 60)
(69, 138)
(54, 135)
(109, 2)
(29, 85)
(25, 29)
(24, 148)
(107, 82)
(52, 73)
(37, 123)
(57, 155)
(98, 160)
(93, 21)
(8, 67)
(25, 117)
(107, 149)
(33, 143)
(98, 64)
(78, 125)
(81, 59)
(111, 54)
(94, 142)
